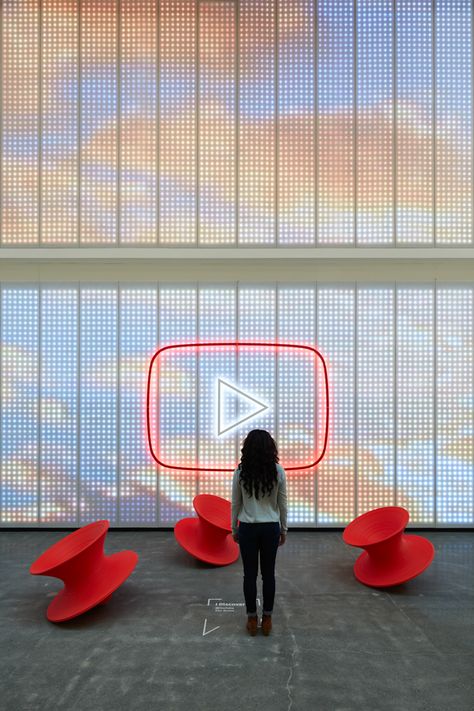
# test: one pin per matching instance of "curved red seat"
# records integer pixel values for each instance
(207, 536)
(390, 557)
(90, 577)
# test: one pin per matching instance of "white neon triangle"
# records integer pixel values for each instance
(222, 388)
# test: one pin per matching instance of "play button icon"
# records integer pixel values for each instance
(245, 407)
(203, 398)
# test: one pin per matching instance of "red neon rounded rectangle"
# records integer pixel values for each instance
(232, 345)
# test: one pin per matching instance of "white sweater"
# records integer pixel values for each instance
(270, 507)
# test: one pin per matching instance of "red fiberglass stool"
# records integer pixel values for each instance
(391, 556)
(207, 537)
(90, 577)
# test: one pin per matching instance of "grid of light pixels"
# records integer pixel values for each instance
(335, 149)
(295, 389)
(217, 322)
(19, 192)
(453, 122)
(374, 127)
(138, 122)
(128, 123)
(415, 414)
(335, 337)
(99, 404)
(375, 344)
(296, 144)
(217, 122)
(257, 109)
(178, 323)
(455, 405)
(178, 98)
(74, 361)
(138, 333)
(98, 157)
(414, 122)
(257, 370)
(58, 404)
(19, 424)
(59, 132)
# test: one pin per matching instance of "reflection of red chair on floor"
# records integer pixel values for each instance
(391, 556)
(207, 537)
(89, 576)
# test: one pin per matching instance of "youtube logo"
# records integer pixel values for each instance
(203, 398)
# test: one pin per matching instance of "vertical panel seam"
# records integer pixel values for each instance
(435, 401)
(78, 406)
(118, 401)
(355, 120)
(197, 120)
(433, 120)
(394, 123)
(355, 406)
(79, 121)
(39, 391)
(40, 122)
(158, 121)
(316, 122)
(1, 129)
(276, 131)
(237, 120)
(118, 133)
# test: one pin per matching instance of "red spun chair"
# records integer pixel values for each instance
(90, 577)
(207, 537)
(391, 557)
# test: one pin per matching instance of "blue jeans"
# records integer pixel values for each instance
(255, 538)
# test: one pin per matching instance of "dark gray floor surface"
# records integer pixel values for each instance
(336, 644)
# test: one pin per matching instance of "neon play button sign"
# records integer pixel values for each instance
(203, 398)
(246, 404)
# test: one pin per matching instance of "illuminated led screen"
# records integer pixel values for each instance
(74, 366)
(251, 122)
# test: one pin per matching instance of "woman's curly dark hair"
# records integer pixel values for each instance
(258, 463)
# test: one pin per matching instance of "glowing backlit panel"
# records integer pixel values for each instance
(335, 337)
(73, 368)
(217, 321)
(58, 405)
(138, 334)
(178, 96)
(100, 448)
(178, 323)
(455, 404)
(296, 145)
(20, 108)
(59, 132)
(257, 109)
(415, 398)
(453, 122)
(217, 122)
(375, 314)
(414, 122)
(138, 126)
(98, 122)
(19, 424)
(374, 122)
(298, 396)
(214, 122)
(336, 112)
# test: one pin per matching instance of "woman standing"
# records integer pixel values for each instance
(259, 503)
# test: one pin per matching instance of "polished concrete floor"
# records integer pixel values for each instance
(173, 637)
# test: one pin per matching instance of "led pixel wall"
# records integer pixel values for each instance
(236, 122)
(74, 362)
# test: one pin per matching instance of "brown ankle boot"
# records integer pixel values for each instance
(266, 624)
(252, 626)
